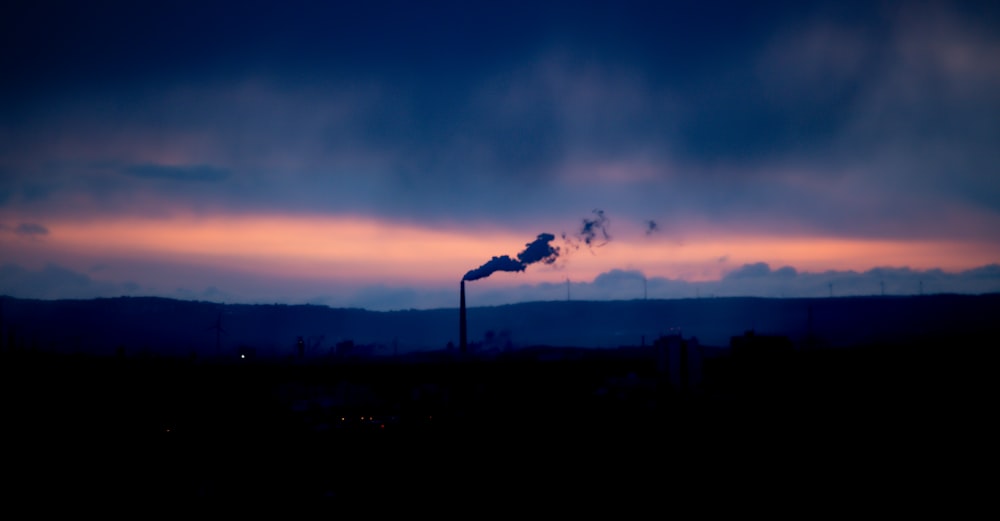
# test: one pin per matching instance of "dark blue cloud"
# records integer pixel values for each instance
(850, 118)
(31, 230)
(747, 271)
(197, 173)
(618, 276)
(759, 270)
(56, 282)
(50, 282)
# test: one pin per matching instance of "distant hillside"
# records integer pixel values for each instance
(135, 325)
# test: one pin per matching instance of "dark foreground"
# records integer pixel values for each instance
(558, 427)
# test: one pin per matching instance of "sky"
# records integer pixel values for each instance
(374, 154)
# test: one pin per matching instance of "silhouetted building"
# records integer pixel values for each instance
(348, 350)
(345, 348)
(762, 362)
(680, 360)
(753, 345)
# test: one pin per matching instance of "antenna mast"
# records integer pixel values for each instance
(218, 332)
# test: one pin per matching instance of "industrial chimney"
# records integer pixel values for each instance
(463, 343)
(538, 250)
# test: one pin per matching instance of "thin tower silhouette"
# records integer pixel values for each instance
(219, 330)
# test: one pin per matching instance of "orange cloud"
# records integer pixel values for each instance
(306, 247)
(363, 250)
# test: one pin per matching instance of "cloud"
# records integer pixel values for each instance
(29, 230)
(748, 271)
(208, 294)
(195, 173)
(785, 271)
(52, 282)
(615, 277)
(819, 121)
(754, 280)
(759, 280)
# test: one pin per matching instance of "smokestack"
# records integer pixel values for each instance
(538, 250)
(462, 341)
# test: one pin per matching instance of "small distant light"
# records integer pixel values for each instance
(243, 356)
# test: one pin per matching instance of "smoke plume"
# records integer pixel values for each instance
(652, 227)
(595, 228)
(593, 232)
(539, 250)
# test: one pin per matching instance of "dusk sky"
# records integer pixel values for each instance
(371, 154)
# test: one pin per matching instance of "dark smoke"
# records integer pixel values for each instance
(594, 228)
(589, 234)
(540, 250)
(652, 227)
(502, 263)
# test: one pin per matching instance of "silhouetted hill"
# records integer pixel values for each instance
(140, 325)
(898, 396)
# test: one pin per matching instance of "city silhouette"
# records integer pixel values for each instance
(136, 397)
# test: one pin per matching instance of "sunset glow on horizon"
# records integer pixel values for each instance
(319, 154)
(328, 248)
